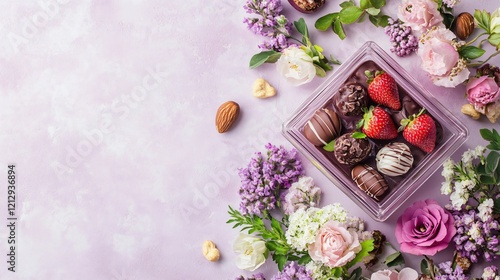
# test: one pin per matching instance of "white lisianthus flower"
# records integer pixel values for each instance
(296, 66)
(495, 21)
(446, 188)
(252, 252)
(485, 209)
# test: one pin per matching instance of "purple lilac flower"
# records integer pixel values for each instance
(403, 41)
(447, 272)
(474, 237)
(269, 23)
(263, 178)
(293, 271)
(258, 276)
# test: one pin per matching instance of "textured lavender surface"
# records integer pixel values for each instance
(108, 112)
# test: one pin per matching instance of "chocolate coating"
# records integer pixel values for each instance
(394, 159)
(323, 127)
(305, 6)
(351, 99)
(409, 108)
(369, 181)
(350, 151)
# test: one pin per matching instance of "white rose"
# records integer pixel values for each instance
(252, 250)
(296, 66)
(495, 21)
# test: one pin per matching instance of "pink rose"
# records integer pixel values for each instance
(425, 228)
(482, 90)
(405, 274)
(440, 58)
(420, 15)
(334, 245)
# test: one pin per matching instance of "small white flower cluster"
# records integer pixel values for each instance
(320, 271)
(305, 224)
(485, 209)
(460, 179)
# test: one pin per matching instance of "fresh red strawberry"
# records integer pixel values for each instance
(420, 130)
(383, 89)
(378, 124)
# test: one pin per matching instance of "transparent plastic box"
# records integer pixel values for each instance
(451, 134)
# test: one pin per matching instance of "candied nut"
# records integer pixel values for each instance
(469, 110)
(464, 25)
(493, 111)
(262, 89)
(210, 252)
(226, 115)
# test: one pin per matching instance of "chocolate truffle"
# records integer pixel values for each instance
(394, 159)
(369, 181)
(348, 150)
(409, 108)
(351, 99)
(323, 127)
(306, 6)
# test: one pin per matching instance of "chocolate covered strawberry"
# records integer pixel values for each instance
(377, 124)
(420, 131)
(383, 89)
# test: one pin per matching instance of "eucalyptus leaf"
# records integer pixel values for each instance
(471, 52)
(350, 14)
(263, 57)
(338, 29)
(324, 22)
(394, 259)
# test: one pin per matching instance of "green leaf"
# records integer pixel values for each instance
(350, 14)
(365, 4)
(383, 20)
(374, 20)
(486, 134)
(378, 3)
(338, 29)
(492, 161)
(448, 19)
(346, 4)
(356, 274)
(324, 22)
(280, 260)
(373, 11)
(330, 147)
(424, 267)
(483, 19)
(358, 135)
(394, 259)
(366, 247)
(301, 27)
(494, 39)
(320, 72)
(305, 259)
(263, 57)
(487, 179)
(496, 206)
(471, 52)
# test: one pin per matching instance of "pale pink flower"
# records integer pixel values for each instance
(405, 274)
(420, 15)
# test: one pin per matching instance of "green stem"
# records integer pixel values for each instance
(477, 64)
(475, 39)
(431, 266)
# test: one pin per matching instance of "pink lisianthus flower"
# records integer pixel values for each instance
(405, 274)
(420, 15)
(440, 58)
(482, 91)
(425, 228)
(334, 246)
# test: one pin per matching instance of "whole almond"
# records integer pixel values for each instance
(226, 115)
(464, 25)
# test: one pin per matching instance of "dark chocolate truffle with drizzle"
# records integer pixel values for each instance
(369, 181)
(323, 127)
(350, 151)
(351, 99)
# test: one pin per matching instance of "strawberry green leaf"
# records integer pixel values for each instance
(358, 135)
(330, 147)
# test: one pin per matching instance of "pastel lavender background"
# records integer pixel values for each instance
(108, 113)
